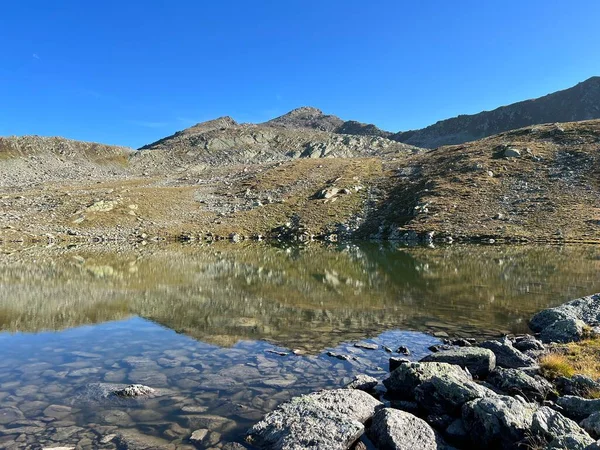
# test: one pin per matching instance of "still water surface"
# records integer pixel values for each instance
(227, 332)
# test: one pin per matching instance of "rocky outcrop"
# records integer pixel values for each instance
(403, 381)
(569, 321)
(507, 356)
(578, 408)
(517, 382)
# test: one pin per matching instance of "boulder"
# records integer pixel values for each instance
(563, 331)
(528, 343)
(578, 408)
(456, 433)
(549, 424)
(511, 153)
(591, 424)
(395, 362)
(135, 390)
(570, 442)
(447, 394)
(363, 383)
(393, 429)
(497, 422)
(586, 309)
(479, 361)
(577, 385)
(507, 356)
(330, 419)
(403, 380)
(517, 382)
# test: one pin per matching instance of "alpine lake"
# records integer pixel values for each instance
(226, 332)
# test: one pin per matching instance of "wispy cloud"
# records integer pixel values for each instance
(35, 56)
(148, 124)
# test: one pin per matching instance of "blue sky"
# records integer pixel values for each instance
(130, 72)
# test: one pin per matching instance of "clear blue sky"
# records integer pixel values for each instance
(129, 72)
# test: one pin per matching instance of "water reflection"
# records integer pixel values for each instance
(214, 327)
(308, 297)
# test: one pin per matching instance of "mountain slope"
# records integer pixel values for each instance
(581, 102)
(35, 159)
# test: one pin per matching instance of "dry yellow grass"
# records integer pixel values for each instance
(574, 358)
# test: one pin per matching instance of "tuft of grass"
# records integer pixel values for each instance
(566, 360)
(554, 365)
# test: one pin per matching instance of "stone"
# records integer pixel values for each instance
(591, 424)
(399, 430)
(517, 382)
(497, 422)
(394, 363)
(366, 345)
(563, 331)
(479, 361)
(528, 343)
(448, 393)
(199, 435)
(9, 414)
(324, 420)
(586, 309)
(363, 383)
(403, 350)
(579, 385)
(578, 408)
(404, 379)
(506, 355)
(511, 153)
(570, 442)
(550, 424)
(57, 411)
(132, 439)
(135, 390)
(328, 193)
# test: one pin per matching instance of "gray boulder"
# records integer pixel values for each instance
(567, 330)
(403, 380)
(517, 382)
(447, 394)
(393, 429)
(577, 385)
(578, 408)
(324, 420)
(395, 362)
(497, 422)
(586, 309)
(570, 442)
(456, 433)
(591, 424)
(549, 424)
(528, 343)
(363, 383)
(507, 356)
(479, 361)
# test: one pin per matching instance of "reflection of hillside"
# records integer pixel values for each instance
(303, 297)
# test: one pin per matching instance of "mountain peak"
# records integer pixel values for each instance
(306, 117)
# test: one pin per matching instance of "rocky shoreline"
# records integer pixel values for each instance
(464, 395)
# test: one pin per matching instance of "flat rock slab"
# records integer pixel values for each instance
(479, 361)
(399, 430)
(324, 420)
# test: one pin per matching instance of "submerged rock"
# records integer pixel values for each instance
(323, 420)
(399, 430)
(479, 361)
